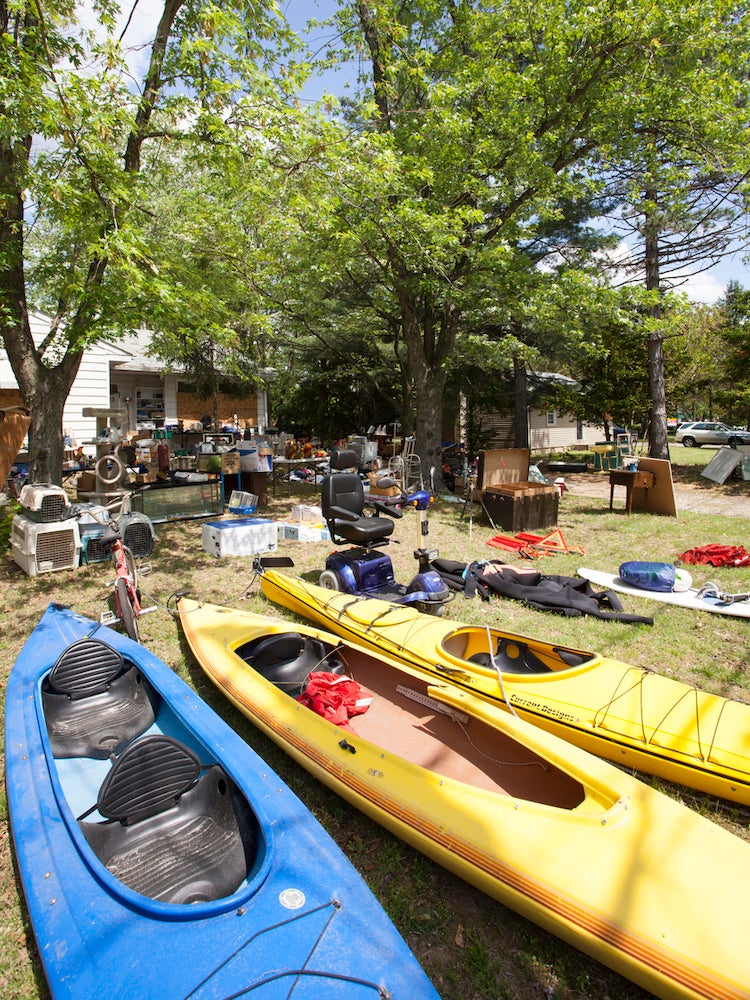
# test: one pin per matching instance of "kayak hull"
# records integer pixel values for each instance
(579, 847)
(629, 715)
(287, 927)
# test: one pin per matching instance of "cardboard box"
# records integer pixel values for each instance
(388, 491)
(230, 462)
(299, 532)
(502, 466)
(86, 482)
(307, 513)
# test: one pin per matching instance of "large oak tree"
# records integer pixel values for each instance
(480, 119)
(83, 114)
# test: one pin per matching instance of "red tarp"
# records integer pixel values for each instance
(717, 555)
(335, 697)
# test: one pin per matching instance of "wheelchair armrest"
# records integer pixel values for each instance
(383, 508)
(343, 514)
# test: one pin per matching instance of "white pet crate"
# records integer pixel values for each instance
(45, 548)
(44, 502)
(138, 533)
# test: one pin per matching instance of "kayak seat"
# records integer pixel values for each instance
(95, 702)
(512, 657)
(172, 831)
(288, 658)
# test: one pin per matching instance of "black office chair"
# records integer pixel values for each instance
(343, 503)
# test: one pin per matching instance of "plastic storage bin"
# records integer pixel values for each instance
(242, 503)
(239, 537)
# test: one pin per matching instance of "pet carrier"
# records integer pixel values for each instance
(44, 548)
(43, 502)
(138, 534)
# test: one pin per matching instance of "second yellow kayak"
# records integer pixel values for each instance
(626, 714)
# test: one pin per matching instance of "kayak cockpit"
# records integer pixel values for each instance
(170, 829)
(94, 702)
(394, 711)
(166, 822)
(511, 654)
(287, 659)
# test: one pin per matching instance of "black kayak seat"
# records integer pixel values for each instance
(95, 702)
(172, 830)
(85, 668)
(148, 777)
(512, 657)
(287, 659)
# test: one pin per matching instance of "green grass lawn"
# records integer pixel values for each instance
(474, 948)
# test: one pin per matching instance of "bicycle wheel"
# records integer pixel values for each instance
(132, 568)
(125, 609)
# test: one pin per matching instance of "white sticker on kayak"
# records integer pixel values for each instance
(292, 899)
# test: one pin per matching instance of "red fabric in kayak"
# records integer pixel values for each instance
(335, 697)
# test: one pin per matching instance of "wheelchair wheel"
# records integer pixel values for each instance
(328, 580)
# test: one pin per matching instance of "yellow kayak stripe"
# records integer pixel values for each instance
(641, 951)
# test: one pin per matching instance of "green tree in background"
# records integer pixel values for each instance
(681, 174)
(474, 124)
(82, 121)
(734, 335)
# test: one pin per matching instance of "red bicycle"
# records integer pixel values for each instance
(127, 594)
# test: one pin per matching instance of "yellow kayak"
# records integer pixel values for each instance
(627, 714)
(578, 846)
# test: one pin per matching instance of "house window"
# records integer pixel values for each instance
(551, 418)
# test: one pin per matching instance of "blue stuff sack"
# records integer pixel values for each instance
(649, 575)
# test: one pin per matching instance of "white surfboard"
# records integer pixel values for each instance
(684, 599)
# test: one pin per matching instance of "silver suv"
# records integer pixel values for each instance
(709, 432)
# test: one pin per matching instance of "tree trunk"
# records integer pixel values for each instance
(658, 440)
(429, 423)
(46, 429)
(428, 344)
(44, 390)
(520, 403)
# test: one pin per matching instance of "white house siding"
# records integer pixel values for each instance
(563, 434)
(90, 388)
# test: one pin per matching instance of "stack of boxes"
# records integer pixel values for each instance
(304, 525)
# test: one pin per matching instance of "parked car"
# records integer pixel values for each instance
(695, 434)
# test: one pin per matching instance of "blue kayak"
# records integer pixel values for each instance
(160, 857)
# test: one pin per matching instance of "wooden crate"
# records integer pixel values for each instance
(512, 500)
